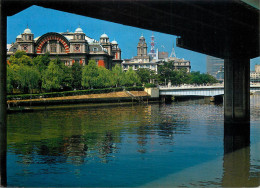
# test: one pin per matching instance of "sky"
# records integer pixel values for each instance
(42, 20)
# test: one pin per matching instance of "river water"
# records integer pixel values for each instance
(144, 145)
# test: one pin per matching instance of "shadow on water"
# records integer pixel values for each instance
(237, 170)
(236, 160)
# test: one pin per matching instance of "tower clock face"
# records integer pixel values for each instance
(77, 48)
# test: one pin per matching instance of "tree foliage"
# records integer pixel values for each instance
(25, 73)
(167, 73)
(20, 58)
(28, 77)
(89, 75)
(76, 75)
(131, 77)
(118, 75)
(52, 76)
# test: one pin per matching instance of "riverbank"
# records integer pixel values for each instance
(57, 102)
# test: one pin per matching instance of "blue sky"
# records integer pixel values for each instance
(41, 20)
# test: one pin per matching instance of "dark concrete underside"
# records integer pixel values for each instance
(219, 28)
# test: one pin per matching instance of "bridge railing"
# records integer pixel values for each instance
(191, 86)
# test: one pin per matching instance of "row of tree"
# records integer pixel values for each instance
(168, 73)
(42, 73)
(26, 74)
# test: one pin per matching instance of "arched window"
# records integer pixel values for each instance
(53, 47)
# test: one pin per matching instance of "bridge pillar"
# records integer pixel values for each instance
(237, 90)
(3, 105)
(236, 104)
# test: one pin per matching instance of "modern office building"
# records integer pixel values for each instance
(215, 67)
(255, 75)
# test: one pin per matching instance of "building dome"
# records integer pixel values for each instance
(19, 36)
(27, 31)
(78, 30)
(104, 36)
(114, 42)
(142, 36)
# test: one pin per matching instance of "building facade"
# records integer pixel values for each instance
(179, 63)
(153, 60)
(142, 56)
(142, 60)
(215, 67)
(255, 75)
(70, 47)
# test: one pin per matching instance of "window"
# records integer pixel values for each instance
(53, 48)
(62, 49)
(44, 48)
(77, 48)
(95, 49)
(25, 47)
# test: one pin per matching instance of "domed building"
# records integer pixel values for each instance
(70, 47)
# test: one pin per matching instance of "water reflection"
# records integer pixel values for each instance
(107, 146)
(236, 136)
(57, 133)
(237, 170)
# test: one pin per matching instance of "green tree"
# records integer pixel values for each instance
(167, 73)
(144, 74)
(76, 77)
(18, 54)
(198, 78)
(41, 62)
(28, 78)
(20, 58)
(67, 78)
(104, 78)
(181, 77)
(131, 77)
(12, 75)
(89, 75)
(52, 76)
(118, 75)
(9, 79)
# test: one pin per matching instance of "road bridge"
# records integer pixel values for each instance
(224, 29)
(207, 91)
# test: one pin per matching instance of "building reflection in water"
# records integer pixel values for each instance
(75, 149)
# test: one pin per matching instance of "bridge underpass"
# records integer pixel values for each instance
(224, 29)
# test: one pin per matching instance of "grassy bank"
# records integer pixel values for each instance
(121, 96)
(71, 93)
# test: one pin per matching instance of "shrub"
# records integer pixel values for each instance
(149, 85)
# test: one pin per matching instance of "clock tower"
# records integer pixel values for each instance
(27, 42)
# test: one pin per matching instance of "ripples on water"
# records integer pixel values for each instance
(178, 144)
